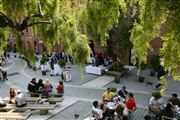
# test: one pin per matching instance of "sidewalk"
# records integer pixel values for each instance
(83, 87)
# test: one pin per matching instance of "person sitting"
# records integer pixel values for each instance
(32, 87)
(20, 99)
(174, 100)
(2, 104)
(168, 111)
(97, 112)
(47, 86)
(43, 97)
(12, 94)
(60, 88)
(39, 85)
(123, 92)
(155, 103)
(123, 109)
(107, 95)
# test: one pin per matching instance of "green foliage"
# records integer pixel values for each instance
(43, 60)
(62, 63)
(113, 89)
(152, 14)
(3, 39)
(118, 66)
(156, 94)
(163, 88)
(102, 15)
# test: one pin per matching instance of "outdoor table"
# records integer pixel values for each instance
(90, 118)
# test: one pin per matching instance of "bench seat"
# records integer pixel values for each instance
(42, 107)
(51, 94)
(14, 115)
(34, 99)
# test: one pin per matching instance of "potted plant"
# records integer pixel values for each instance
(113, 89)
(43, 62)
(141, 68)
(117, 67)
(62, 63)
(155, 63)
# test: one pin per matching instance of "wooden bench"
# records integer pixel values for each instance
(42, 107)
(14, 115)
(51, 100)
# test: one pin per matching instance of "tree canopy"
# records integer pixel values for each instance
(153, 13)
(70, 21)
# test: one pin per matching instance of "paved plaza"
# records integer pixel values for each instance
(82, 90)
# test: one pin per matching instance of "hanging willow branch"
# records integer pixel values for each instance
(5, 21)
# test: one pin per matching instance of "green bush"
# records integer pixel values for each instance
(118, 66)
(62, 63)
(113, 89)
(43, 60)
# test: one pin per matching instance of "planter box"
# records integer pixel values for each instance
(117, 79)
(152, 73)
(43, 72)
(141, 79)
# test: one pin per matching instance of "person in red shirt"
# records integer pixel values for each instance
(60, 88)
(130, 105)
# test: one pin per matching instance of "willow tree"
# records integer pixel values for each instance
(153, 13)
(51, 20)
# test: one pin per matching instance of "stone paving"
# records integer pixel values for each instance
(83, 88)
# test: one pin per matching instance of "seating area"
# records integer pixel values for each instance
(51, 100)
(14, 115)
(43, 108)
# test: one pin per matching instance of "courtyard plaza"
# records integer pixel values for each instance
(83, 89)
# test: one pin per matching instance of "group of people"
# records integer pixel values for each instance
(98, 60)
(41, 86)
(159, 108)
(42, 89)
(119, 104)
(15, 97)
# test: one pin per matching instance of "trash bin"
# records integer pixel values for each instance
(66, 75)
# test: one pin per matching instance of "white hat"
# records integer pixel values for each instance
(18, 91)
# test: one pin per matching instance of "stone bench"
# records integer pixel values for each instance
(51, 100)
(43, 108)
(14, 115)
(51, 94)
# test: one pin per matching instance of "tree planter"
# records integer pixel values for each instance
(152, 73)
(117, 79)
(141, 79)
(34, 69)
(43, 72)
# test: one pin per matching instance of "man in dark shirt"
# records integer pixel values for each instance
(32, 86)
(174, 100)
(123, 92)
